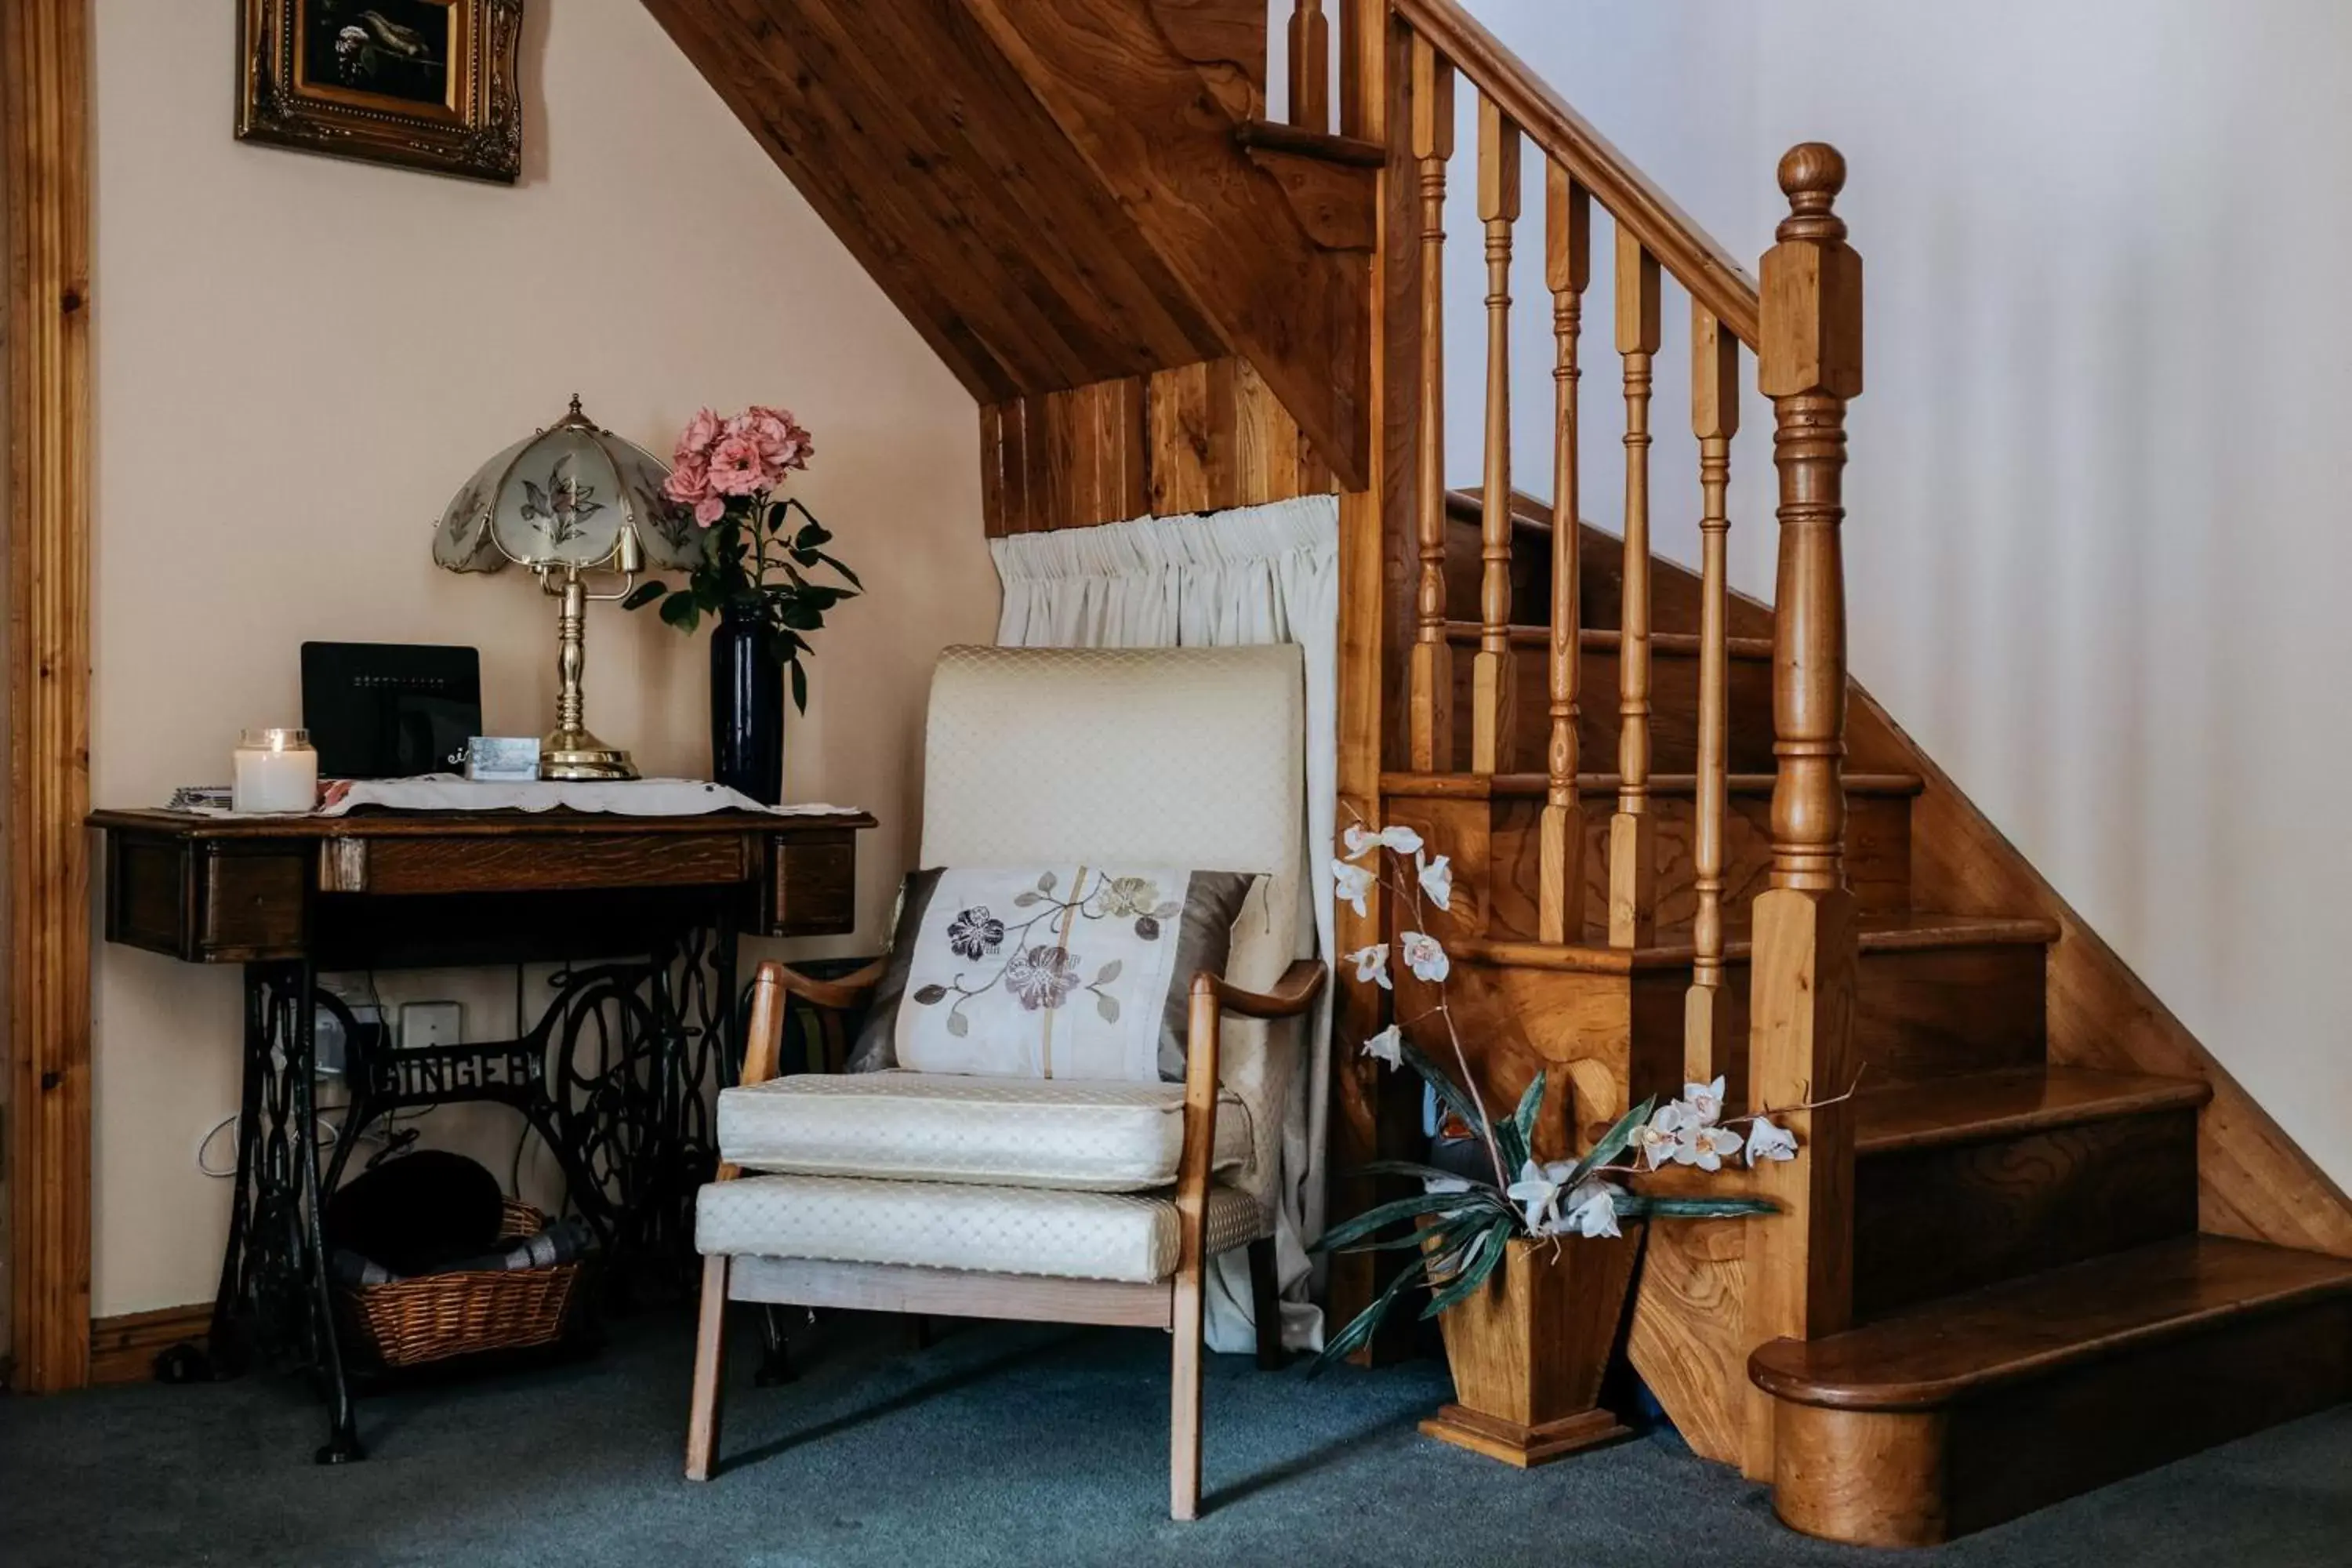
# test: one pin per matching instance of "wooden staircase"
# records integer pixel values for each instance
(2048, 1242)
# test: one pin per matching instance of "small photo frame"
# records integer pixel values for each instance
(424, 84)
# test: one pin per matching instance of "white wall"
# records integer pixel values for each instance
(299, 359)
(2094, 545)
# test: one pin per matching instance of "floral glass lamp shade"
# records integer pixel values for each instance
(565, 502)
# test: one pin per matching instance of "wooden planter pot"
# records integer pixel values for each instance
(1528, 1350)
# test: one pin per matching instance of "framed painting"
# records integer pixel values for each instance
(426, 84)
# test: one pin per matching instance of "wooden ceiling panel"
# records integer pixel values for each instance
(922, 148)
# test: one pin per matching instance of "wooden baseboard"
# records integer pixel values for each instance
(123, 1349)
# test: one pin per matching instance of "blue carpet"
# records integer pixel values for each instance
(998, 1444)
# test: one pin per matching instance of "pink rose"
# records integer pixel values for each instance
(736, 468)
(709, 509)
(690, 481)
(701, 431)
(783, 443)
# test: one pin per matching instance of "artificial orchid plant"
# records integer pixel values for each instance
(1458, 1227)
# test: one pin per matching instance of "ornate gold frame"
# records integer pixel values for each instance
(477, 134)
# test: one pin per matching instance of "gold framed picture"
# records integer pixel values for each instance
(426, 84)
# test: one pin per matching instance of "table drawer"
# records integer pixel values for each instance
(811, 888)
(207, 903)
(389, 865)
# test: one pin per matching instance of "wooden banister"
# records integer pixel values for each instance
(1430, 679)
(1633, 835)
(1715, 420)
(1568, 269)
(1310, 67)
(1492, 697)
(1801, 1263)
(1689, 255)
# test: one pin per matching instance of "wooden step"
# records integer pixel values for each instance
(1937, 996)
(1968, 1180)
(1331, 182)
(1961, 1413)
(1497, 824)
(1674, 699)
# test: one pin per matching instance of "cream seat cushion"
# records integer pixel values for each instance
(1060, 1234)
(1073, 1133)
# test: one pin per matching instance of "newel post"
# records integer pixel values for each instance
(1800, 1260)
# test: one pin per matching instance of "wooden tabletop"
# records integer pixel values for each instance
(379, 822)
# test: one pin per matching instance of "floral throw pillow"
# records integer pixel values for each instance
(1077, 971)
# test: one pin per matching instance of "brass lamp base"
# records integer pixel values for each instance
(575, 754)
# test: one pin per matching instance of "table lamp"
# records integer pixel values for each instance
(567, 502)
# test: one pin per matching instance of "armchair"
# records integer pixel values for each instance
(1046, 1199)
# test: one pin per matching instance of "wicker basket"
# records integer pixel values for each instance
(411, 1322)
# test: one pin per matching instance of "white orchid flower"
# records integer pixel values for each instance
(1655, 1140)
(1705, 1146)
(1372, 963)
(1424, 956)
(1768, 1141)
(1403, 840)
(1538, 1189)
(1703, 1101)
(1436, 879)
(1355, 838)
(1592, 1210)
(1388, 1046)
(1352, 883)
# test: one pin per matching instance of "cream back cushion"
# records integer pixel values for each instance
(1142, 756)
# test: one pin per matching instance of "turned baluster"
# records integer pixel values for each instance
(1429, 675)
(1633, 832)
(1802, 1001)
(1568, 268)
(1715, 419)
(1311, 68)
(1493, 699)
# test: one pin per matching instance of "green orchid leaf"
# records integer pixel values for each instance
(1344, 1343)
(1449, 1230)
(1455, 1100)
(1485, 1255)
(1387, 1214)
(1614, 1142)
(1523, 1119)
(1479, 1187)
(1641, 1205)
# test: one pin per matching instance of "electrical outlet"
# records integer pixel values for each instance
(431, 1024)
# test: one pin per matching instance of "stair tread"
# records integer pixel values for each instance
(1469, 787)
(1274, 136)
(1608, 640)
(2007, 1104)
(1971, 1344)
(1910, 932)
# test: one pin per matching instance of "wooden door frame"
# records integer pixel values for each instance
(44, 61)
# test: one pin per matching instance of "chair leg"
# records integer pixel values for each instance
(1184, 1415)
(710, 1371)
(1266, 1304)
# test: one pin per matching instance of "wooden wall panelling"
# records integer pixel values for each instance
(1131, 104)
(1002, 247)
(45, 182)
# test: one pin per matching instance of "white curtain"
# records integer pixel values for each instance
(1258, 574)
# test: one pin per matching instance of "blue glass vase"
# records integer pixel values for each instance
(747, 707)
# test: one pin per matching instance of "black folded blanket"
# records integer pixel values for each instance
(433, 1211)
(562, 1242)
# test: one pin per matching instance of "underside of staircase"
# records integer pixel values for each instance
(2048, 1242)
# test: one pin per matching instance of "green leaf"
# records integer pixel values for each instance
(800, 688)
(682, 612)
(1446, 1232)
(643, 595)
(1614, 1142)
(1485, 1252)
(1641, 1205)
(1422, 1173)
(1344, 1343)
(1460, 1103)
(1530, 1104)
(1373, 1218)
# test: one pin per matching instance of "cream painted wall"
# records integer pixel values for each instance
(2094, 547)
(298, 360)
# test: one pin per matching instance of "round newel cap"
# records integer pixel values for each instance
(1811, 175)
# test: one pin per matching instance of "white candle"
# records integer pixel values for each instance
(275, 770)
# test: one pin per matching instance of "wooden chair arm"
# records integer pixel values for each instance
(1292, 994)
(842, 994)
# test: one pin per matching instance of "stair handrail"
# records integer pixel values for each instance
(1692, 257)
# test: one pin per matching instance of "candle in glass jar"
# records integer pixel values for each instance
(275, 770)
